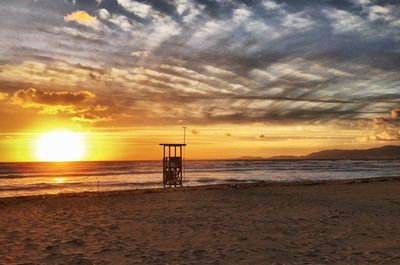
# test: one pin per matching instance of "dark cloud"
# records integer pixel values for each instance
(33, 96)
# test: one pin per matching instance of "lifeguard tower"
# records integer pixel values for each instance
(172, 164)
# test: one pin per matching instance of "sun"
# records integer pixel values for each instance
(60, 146)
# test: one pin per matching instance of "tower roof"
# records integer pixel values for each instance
(173, 144)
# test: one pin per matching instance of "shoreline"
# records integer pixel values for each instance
(206, 159)
(207, 186)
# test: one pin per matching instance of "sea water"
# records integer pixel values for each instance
(39, 178)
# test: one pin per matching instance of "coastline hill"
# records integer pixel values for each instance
(384, 152)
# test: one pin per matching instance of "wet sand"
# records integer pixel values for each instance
(342, 222)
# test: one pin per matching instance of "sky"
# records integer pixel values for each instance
(247, 78)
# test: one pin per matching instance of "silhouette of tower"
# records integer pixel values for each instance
(172, 164)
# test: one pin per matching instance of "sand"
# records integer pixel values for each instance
(348, 222)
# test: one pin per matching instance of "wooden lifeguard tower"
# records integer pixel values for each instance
(172, 164)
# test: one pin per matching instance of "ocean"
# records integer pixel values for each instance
(40, 178)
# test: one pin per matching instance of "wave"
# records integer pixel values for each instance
(227, 180)
(38, 178)
(80, 174)
(81, 185)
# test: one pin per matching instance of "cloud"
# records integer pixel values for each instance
(83, 18)
(30, 97)
(148, 28)
(291, 91)
(161, 29)
(372, 21)
(77, 104)
(344, 21)
(386, 13)
(270, 5)
(91, 118)
(228, 134)
(188, 10)
(298, 21)
(262, 136)
(208, 61)
(216, 30)
(140, 53)
(119, 20)
(395, 113)
(362, 2)
(382, 129)
(137, 8)
(378, 12)
(3, 95)
(195, 132)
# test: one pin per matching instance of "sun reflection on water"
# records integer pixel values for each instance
(59, 180)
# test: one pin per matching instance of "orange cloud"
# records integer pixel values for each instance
(195, 132)
(3, 95)
(382, 129)
(78, 104)
(83, 18)
(32, 98)
(395, 113)
(90, 118)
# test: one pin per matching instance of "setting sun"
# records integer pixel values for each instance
(60, 146)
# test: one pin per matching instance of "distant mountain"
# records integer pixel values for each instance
(283, 157)
(251, 157)
(384, 152)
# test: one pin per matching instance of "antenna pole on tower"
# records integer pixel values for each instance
(184, 153)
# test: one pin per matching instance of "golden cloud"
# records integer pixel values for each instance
(382, 129)
(83, 18)
(90, 118)
(195, 132)
(78, 104)
(3, 95)
(32, 98)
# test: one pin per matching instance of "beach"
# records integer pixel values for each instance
(334, 222)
